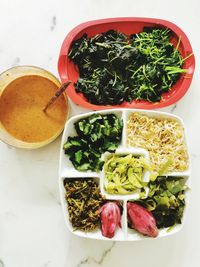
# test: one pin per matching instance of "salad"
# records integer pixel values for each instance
(160, 200)
(116, 68)
(124, 174)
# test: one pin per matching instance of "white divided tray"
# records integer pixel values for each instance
(66, 170)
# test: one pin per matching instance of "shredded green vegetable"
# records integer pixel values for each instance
(124, 174)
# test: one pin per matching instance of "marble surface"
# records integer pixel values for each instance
(32, 229)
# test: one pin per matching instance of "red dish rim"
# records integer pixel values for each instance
(78, 98)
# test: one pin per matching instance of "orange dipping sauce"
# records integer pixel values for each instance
(21, 109)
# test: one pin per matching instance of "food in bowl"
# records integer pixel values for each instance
(115, 67)
(124, 174)
(83, 210)
(21, 108)
(138, 197)
(95, 135)
(162, 137)
(88, 210)
(166, 201)
(128, 26)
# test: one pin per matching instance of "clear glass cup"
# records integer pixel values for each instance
(5, 79)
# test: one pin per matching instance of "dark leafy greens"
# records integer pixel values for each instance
(95, 135)
(115, 68)
(166, 200)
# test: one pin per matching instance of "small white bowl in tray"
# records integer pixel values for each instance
(67, 170)
(123, 152)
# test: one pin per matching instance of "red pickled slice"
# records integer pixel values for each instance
(142, 220)
(110, 219)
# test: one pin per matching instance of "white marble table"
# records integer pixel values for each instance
(32, 229)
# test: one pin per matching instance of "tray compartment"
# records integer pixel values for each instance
(123, 151)
(133, 235)
(162, 115)
(95, 234)
(66, 167)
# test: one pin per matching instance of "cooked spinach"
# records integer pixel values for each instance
(95, 135)
(115, 68)
(166, 200)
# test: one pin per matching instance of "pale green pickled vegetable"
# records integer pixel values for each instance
(124, 174)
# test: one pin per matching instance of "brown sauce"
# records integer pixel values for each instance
(21, 105)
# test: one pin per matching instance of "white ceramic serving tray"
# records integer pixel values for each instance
(66, 170)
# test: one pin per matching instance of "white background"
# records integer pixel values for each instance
(32, 229)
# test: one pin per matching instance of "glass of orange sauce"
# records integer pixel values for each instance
(24, 91)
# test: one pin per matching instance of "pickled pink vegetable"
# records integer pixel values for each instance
(142, 220)
(110, 219)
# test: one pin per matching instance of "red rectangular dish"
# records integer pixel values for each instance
(68, 71)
